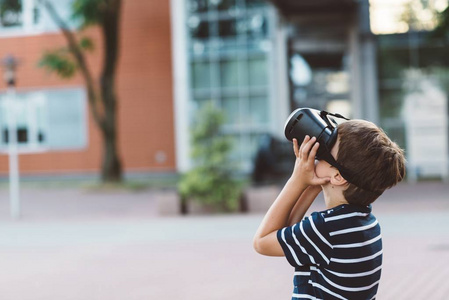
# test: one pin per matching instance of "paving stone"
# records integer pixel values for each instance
(74, 244)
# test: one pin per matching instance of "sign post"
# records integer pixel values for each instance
(9, 64)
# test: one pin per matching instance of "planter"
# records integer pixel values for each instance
(168, 203)
(193, 207)
(259, 199)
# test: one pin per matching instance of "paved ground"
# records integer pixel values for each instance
(81, 245)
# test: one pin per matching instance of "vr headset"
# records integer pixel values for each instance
(320, 124)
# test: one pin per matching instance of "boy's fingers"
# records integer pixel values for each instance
(304, 142)
(295, 147)
(307, 147)
(313, 152)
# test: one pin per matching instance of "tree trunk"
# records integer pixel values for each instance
(111, 170)
(111, 167)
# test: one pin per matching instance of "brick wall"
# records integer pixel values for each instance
(144, 88)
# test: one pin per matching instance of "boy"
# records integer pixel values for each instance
(337, 253)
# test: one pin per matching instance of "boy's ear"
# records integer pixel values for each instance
(337, 179)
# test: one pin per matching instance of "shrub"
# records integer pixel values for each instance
(210, 181)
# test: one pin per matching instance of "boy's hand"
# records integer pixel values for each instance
(304, 171)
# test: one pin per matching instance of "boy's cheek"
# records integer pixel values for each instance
(317, 167)
(320, 168)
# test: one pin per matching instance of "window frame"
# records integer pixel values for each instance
(45, 24)
(33, 145)
(244, 47)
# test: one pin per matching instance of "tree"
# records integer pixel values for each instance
(68, 60)
(420, 15)
(442, 29)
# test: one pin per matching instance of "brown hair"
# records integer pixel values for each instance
(376, 161)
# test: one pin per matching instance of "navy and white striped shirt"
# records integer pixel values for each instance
(337, 254)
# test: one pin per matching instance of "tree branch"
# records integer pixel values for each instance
(79, 57)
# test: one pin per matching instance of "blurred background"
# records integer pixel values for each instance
(128, 128)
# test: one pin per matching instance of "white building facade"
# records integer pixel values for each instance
(258, 60)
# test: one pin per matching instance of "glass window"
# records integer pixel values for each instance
(29, 16)
(250, 26)
(199, 103)
(197, 6)
(257, 68)
(227, 28)
(199, 29)
(231, 108)
(236, 153)
(67, 124)
(246, 147)
(229, 64)
(258, 111)
(10, 13)
(54, 119)
(255, 3)
(229, 73)
(226, 5)
(63, 7)
(256, 25)
(201, 74)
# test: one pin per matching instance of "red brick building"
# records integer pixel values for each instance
(144, 88)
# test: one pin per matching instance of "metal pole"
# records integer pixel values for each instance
(13, 154)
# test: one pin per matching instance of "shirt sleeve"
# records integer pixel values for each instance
(306, 242)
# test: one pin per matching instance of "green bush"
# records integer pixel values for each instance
(210, 181)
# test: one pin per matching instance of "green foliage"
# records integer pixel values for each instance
(89, 12)
(59, 61)
(86, 44)
(442, 30)
(416, 14)
(210, 182)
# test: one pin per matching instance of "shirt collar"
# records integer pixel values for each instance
(352, 208)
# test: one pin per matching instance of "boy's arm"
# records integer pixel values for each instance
(265, 241)
(302, 205)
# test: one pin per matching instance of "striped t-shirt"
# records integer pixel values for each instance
(337, 254)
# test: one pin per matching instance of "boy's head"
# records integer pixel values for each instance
(376, 161)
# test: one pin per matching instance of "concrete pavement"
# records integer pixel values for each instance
(77, 244)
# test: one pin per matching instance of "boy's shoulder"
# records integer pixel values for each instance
(341, 218)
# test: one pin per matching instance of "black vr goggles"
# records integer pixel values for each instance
(319, 124)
